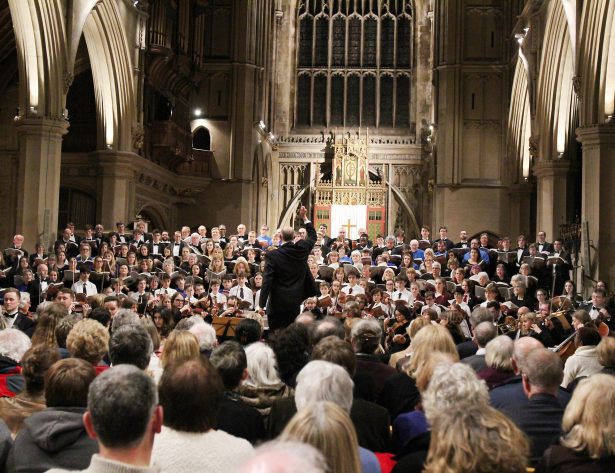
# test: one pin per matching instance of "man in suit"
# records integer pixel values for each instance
(483, 334)
(561, 270)
(542, 244)
(541, 417)
(287, 280)
(38, 286)
(448, 244)
(12, 316)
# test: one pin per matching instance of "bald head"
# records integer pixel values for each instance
(521, 350)
(288, 233)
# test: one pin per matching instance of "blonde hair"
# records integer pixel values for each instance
(329, 429)
(606, 352)
(429, 340)
(181, 345)
(589, 419)
(416, 325)
(476, 440)
(88, 340)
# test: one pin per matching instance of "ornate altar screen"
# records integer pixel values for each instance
(350, 199)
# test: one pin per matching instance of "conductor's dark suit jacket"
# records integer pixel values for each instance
(287, 281)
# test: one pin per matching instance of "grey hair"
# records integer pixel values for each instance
(124, 317)
(544, 368)
(390, 238)
(453, 387)
(131, 344)
(484, 333)
(482, 275)
(366, 335)
(121, 402)
(24, 299)
(480, 314)
(499, 353)
(324, 381)
(205, 333)
(262, 365)
(285, 457)
(14, 343)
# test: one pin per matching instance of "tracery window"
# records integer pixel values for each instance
(354, 61)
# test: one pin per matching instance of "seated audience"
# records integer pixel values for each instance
(89, 341)
(231, 363)
(285, 457)
(540, 418)
(263, 384)
(56, 436)
(131, 344)
(587, 444)
(498, 361)
(34, 363)
(483, 334)
(13, 344)
(190, 394)
(123, 416)
(327, 427)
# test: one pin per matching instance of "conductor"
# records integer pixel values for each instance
(287, 280)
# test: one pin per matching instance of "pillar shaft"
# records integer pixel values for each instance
(552, 192)
(38, 186)
(598, 206)
(116, 196)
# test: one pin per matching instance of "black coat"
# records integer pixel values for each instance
(540, 419)
(287, 281)
(370, 420)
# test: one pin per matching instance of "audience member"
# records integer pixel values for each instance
(131, 344)
(56, 436)
(230, 361)
(263, 384)
(285, 457)
(541, 417)
(123, 416)
(327, 427)
(587, 444)
(498, 361)
(483, 334)
(190, 394)
(34, 363)
(89, 341)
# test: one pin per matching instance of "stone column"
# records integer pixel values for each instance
(598, 206)
(117, 183)
(38, 186)
(552, 195)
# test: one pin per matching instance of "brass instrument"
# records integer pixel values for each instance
(510, 325)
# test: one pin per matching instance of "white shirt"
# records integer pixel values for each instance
(162, 290)
(435, 307)
(248, 296)
(356, 289)
(219, 297)
(404, 295)
(90, 288)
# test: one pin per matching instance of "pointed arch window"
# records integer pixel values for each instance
(354, 63)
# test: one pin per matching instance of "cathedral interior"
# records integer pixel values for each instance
(480, 115)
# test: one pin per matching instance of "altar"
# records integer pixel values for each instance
(351, 198)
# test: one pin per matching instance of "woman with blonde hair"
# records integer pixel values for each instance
(478, 439)
(181, 345)
(400, 393)
(328, 428)
(412, 330)
(588, 425)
